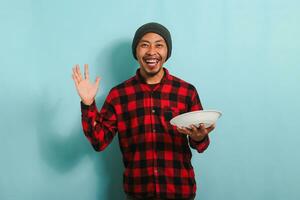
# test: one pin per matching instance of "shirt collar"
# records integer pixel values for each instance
(165, 78)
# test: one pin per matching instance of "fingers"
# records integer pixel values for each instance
(75, 81)
(196, 133)
(201, 131)
(212, 127)
(202, 128)
(188, 131)
(86, 72)
(184, 130)
(78, 73)
(206, 130)
(97, 82)
(75, 76)
(193, 128)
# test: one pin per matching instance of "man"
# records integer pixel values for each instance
(156, 155)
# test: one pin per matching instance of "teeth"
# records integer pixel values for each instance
(152, 60)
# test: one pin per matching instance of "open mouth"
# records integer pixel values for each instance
(151, 62)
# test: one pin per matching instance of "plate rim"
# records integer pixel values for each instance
(196, 111)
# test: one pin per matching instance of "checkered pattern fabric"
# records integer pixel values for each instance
(157, 158)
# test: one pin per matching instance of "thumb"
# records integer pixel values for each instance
(97, 81)
(212, 127)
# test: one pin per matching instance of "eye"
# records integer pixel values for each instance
(159, 45)
(144, 45)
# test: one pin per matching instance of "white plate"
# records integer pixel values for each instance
(207, 117)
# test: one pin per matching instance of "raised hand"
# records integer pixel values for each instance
(86, 90)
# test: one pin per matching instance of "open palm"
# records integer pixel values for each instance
(86, 90)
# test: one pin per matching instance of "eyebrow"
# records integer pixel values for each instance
(154, 42)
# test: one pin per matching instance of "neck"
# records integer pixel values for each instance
(153, 79)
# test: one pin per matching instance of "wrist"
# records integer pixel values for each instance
(198, 138)
(87, 102)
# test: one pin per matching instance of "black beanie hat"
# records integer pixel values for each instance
(152, 27)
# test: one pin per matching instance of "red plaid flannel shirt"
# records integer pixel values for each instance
(157, 158)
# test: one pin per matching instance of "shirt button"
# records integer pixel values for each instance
(155, 171)
(153, 111)
(154, 130)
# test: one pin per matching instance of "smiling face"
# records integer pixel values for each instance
(151, 53)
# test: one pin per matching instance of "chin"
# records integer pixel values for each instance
(154, 71)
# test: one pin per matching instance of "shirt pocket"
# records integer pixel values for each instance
(169, 113)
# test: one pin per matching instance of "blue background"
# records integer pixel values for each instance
(242, 56)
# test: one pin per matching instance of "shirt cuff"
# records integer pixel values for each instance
(87, 107)
(199, 142)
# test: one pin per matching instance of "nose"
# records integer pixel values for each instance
(151, 50)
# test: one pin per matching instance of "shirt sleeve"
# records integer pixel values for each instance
(99, 127)
(200, 146)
